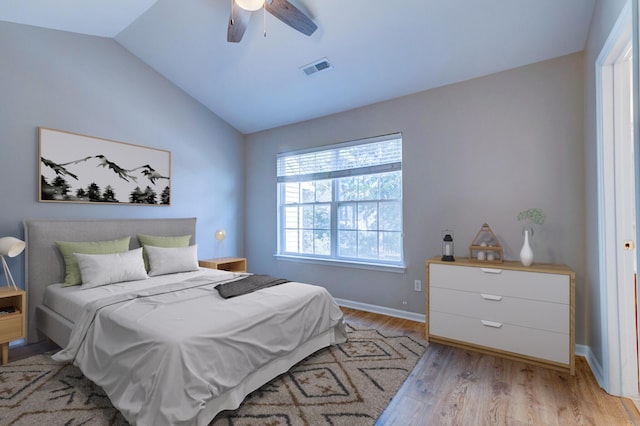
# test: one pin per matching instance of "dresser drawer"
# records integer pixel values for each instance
(505, 337)
(510, 310)
(541, 286)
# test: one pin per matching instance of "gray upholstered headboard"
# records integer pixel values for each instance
(44, 264)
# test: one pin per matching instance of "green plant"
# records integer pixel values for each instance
(533, 215)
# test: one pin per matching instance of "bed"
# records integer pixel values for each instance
(169, 349)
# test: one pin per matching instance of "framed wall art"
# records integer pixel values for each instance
(85, 169)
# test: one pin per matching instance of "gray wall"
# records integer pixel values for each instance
(93, 86)
(604, 17)
(477, 151)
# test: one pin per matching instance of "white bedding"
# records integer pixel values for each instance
(70, 301)
(162, 358)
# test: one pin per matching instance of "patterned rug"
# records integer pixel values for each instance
(347, 384)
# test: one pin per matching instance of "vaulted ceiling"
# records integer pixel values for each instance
(378, 49)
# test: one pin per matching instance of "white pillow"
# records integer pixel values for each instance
(102, 269)
(164, 260)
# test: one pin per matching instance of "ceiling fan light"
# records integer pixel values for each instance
(250, 5)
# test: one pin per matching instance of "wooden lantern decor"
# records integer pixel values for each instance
(485, 247)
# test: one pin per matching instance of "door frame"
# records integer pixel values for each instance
(620, 358)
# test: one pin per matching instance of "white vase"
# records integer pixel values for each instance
(526, 254)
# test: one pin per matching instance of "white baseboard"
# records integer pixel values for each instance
(596, 367)
(412, 316)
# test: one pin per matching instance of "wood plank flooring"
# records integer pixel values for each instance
(452, 386)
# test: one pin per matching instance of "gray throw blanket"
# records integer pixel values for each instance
(248, 285)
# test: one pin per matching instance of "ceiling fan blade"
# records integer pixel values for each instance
(291, 15)
(238, 22)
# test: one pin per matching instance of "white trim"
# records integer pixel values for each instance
(382, 310)
(398, 269)
(606, 243)
(375, 156)
(596, 367)
(616, 375)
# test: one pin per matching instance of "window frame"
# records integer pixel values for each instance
(334, 176)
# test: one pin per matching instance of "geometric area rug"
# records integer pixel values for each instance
(346, 384)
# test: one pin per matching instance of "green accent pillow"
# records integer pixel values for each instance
(68, 248)
(158, 241)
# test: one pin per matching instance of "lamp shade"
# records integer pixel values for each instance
(250, 5)
(10, 246)
(220, 234)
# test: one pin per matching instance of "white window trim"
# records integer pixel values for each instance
(397, 267)
(400, 269)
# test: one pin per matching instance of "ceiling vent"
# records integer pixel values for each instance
(317, 66)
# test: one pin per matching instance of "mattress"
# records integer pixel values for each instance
(70, 301)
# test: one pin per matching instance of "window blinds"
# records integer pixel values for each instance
(366, 156)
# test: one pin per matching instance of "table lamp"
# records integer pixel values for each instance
(220, 236)
(10, 246)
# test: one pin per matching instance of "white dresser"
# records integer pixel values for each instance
(519, 312)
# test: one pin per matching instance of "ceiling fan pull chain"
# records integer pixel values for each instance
(264, 18)
(232, 14)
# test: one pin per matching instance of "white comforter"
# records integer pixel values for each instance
(160, 354)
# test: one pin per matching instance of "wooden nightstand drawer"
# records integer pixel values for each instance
(11, 327)
(12, 324)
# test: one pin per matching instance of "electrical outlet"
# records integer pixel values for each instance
(417, 285)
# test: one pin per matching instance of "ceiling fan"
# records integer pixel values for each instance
(281, 9)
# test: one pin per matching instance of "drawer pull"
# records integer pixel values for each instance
(491, 297)
(491, 270)
(491, 324)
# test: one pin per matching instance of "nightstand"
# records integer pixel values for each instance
(12, 324)
(232, 264)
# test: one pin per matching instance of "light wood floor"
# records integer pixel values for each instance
(452, 386)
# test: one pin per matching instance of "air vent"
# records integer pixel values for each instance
(317, 66)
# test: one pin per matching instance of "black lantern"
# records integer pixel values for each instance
(447, 247)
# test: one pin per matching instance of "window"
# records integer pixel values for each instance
(342, 202)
